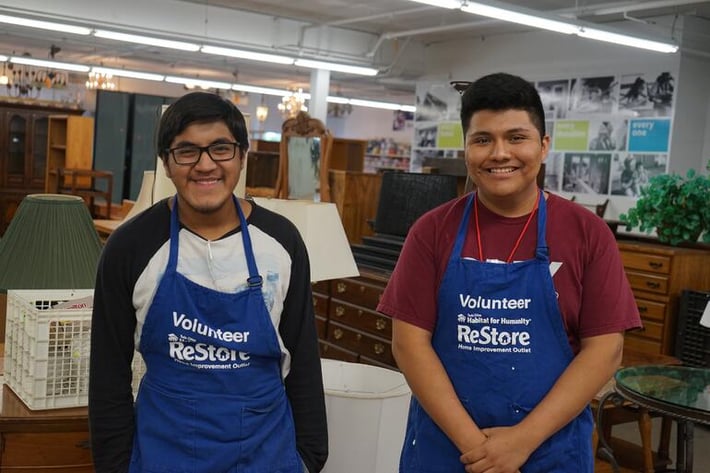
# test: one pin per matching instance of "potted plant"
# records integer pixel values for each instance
(676, 207)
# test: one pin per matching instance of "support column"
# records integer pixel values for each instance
(320, 84)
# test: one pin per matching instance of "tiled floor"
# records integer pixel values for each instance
(701, 457)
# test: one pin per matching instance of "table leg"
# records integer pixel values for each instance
(644, 422)
(665, 439)
(684, 455)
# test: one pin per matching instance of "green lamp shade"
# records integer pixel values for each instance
(51, 243)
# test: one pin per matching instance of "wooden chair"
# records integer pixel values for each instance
(305, 158)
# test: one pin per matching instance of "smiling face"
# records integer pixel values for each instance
(205, 188)
(504, 152)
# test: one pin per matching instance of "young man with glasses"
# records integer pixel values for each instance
(214, 292)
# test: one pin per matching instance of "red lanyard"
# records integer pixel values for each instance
(517, 243)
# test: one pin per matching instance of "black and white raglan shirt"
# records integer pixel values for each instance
(130, 268)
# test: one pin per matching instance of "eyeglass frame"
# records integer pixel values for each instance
(204, 149)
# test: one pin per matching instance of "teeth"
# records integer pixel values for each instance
(501, 170)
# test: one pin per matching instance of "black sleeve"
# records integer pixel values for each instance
(304, 383)
(113, 324)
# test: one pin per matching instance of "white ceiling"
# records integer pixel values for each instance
(395, 34)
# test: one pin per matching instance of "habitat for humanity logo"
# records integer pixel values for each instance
(187, 350)
(489, 334)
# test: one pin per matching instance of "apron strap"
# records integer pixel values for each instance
(461, 233)
(254, 281)
(541, 250)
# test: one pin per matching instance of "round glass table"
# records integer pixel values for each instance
(679, 392)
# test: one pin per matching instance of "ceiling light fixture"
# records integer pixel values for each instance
(600, 35)
(330, 66)
(252, 56)
(202, 84)
(147, 40)
(44, 25)
(260, 90)
(28, 61)
(129, 74)
(100, 81)
(524, 16)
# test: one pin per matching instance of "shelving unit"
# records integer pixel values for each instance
(70, 144)
(386, 154)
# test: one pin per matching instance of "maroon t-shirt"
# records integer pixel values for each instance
(593, 293)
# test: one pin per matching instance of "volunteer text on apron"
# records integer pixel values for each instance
(500, 337)
(212, 399)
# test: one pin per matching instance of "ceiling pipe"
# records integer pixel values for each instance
(573, 12)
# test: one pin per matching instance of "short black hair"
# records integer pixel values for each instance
(502, 91)
(200, 107)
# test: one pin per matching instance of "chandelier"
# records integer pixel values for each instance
(99, 80)
(339, 109)
(292, 104)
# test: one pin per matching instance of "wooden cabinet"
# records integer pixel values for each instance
(658, 274)
(70, 144)
(349, 327)
(356, 195)
(55, 440)
(23, 153)
(348, 154)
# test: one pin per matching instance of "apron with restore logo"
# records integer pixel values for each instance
(212, 399)
(500, 337)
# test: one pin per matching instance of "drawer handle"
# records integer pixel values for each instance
(362, 288)
(85, 444)
(653, 285)
(341, 287)
(337, 334)
(643, 309)
(339, 311)
(359, 312)
(379, 348)
(655, 264)
(315, 302)
(358, 337)
(380, 324)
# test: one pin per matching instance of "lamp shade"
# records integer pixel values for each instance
(50, 243)
(322, 231)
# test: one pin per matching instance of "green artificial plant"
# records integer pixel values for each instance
(676, 207)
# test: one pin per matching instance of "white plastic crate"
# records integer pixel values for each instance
(47, 349)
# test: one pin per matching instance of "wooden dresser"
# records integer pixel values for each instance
(55, 440)
(349, 328)
(658, 274)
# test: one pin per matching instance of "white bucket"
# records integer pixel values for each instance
(367, 415)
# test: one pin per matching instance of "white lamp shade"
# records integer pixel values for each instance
(322, 230)
(145, 195)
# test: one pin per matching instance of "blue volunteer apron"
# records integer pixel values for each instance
(500, 337)
(212, 399)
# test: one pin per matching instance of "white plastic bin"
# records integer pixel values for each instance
(367, 414)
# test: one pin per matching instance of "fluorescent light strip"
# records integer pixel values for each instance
(44, 25)
(203, 84)
(337, 99)
(50, 64)
(260, 90)
(363, 71)
(600, 35)
(162, 43)
(3, 58)
(129, 74)
(520, 18)
(238, 53)
(450, 4)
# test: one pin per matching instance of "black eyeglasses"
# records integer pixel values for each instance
(189, 155)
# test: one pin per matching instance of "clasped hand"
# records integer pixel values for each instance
(505, 450)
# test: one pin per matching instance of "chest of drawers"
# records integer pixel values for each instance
(657, 275)
(349, 328)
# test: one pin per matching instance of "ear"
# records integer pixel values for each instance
(545, 147)
(166, 167)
